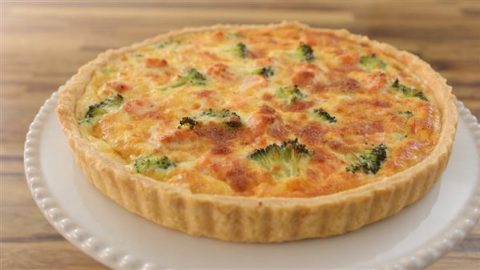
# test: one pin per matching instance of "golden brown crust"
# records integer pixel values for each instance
(247, 219)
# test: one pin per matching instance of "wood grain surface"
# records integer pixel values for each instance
(44, 42)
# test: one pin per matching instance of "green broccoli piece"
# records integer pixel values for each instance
(285, 160)
(325, 115)
(192, 77)
(266, 72)
(290, 94)
(95, 111)
(223, 113)
(241, 50)
(108, 70)
(369, 162)
(407, 114)
(223, 116)
(151, 164)
(408, 91)
(372, 61)
(227, 117)
(167, 43)
(187, 122)
(306, 52)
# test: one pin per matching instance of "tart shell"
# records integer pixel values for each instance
(251, 219)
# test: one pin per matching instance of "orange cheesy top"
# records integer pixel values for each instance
(265, 112)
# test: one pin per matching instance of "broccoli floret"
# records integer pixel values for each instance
(223, 113)
(266, 72)
(325, 115)
(306, 52)
(369, 162)
(108, 70)
(408, 91)
(372, 61)
(241, 50)
(187, 122)
(224, 116)
(166, 43)
(192, 77)
(285, 160)
(95, 111)
(407, 114)
(290, 94)
(227, 117)
(150, 164)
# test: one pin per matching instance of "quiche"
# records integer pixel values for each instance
(260, 133)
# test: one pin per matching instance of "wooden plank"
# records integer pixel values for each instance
(44, 42)
(45, 255)
(458, 260)
(23, 221)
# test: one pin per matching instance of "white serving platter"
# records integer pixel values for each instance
(413, 239)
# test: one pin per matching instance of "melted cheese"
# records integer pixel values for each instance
(214, 158)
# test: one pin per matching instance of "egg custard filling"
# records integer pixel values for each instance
(260, 112)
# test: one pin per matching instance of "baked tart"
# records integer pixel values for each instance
(261, 133)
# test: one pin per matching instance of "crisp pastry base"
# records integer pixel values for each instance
(250, 219)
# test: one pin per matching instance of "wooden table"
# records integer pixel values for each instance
(44, 43)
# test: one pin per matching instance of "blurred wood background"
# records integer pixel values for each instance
(44, 42)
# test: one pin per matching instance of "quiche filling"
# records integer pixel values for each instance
(284, 112)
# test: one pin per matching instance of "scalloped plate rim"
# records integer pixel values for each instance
(116, 258)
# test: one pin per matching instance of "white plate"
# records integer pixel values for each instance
(412, 239)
